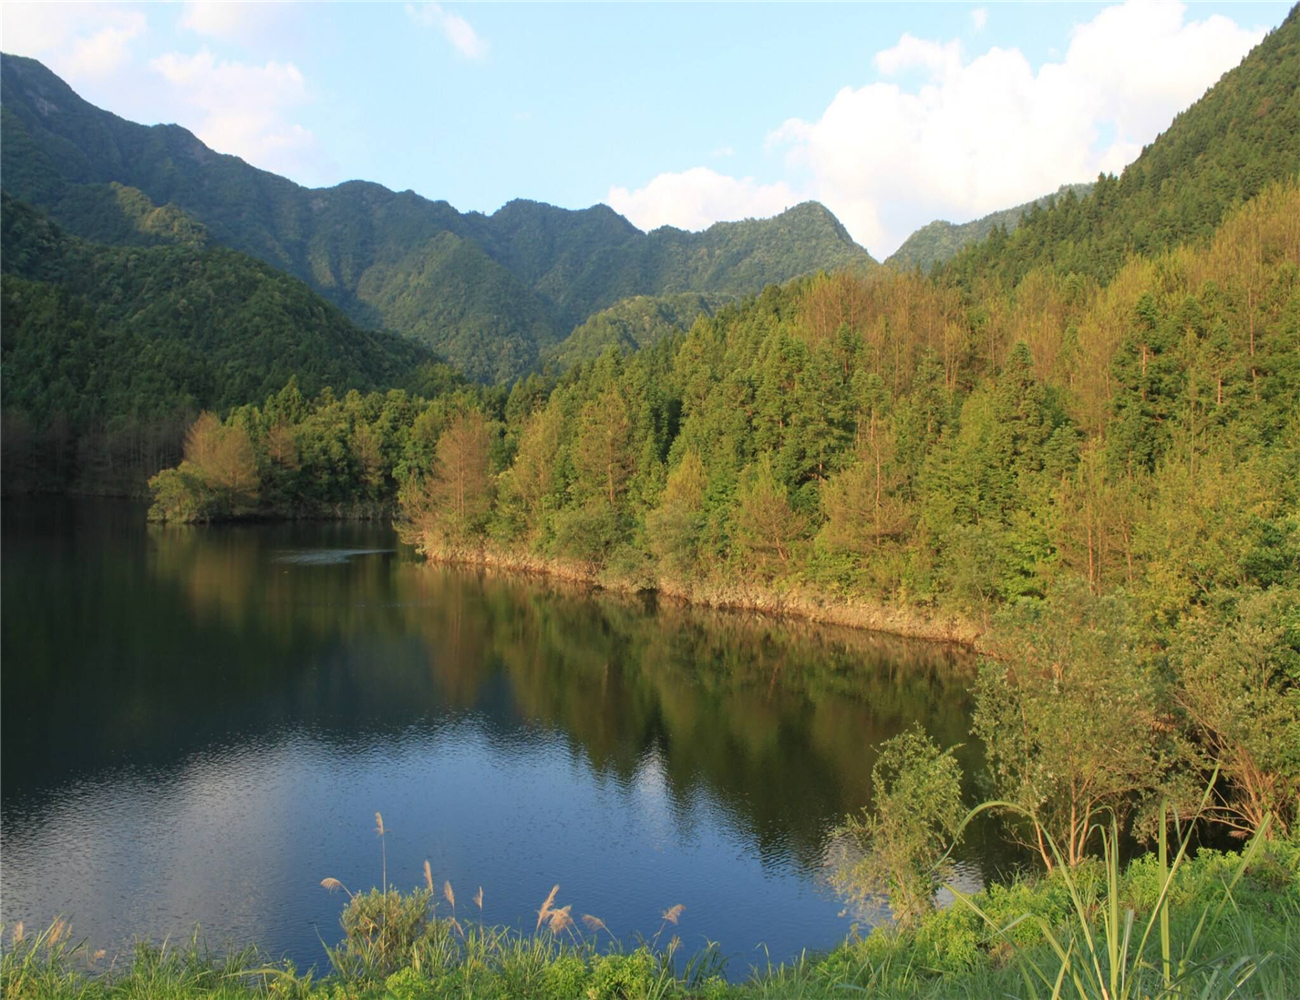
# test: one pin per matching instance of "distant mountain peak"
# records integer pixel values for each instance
(490, 292)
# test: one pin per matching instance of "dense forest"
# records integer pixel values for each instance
(109, 353)
(940, 241)
(489, 293)
(630, 325)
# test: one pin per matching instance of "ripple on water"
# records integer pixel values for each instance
(326, 557)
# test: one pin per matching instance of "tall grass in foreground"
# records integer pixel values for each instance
(1168, 925)
(1103, 950)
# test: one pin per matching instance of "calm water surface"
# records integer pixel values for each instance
(200, 723)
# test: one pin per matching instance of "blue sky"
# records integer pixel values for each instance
(685, 114)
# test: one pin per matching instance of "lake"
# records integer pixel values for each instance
(199, 725)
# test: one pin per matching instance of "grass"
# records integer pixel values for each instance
(1168, 925)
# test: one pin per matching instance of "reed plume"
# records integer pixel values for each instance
(478, 899)
(383, 849)
(18, 932)
(671, 914)
(560, 920)
(449, 896)
(428, 875)
(332, 884)
(545, 911)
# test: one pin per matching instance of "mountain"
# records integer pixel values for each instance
(1241, 136)
(100, 338)
(488, 292)
(630, 325)
(940, 240)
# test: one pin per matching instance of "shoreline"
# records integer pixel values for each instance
(947, 628)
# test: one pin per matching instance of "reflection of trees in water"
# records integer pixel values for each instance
(774, 720)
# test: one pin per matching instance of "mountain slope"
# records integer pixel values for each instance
(95, 334)
(629, 325)
(539, 270)
(1222, 151)
(940, 240)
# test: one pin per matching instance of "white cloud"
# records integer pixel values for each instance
(940, 61)
(242, 108)
(79, 41)
(989, 132)
(232, 22)
(699, 197)
(457, 30)
(979, 17)
(976, 133)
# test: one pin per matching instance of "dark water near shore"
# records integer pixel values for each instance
(200, 723)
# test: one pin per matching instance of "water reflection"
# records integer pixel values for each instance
(198, 725)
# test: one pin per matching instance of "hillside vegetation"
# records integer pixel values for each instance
(630, 325)
(1222, 151)
(940, 241)
(488, 292)
(110, 352)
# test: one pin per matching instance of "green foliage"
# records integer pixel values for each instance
(1069, 717)
(904, 838)
(98, 338)
(1233, 929)
(940, 241)
(491, 294)
(1239, 685)
(629, 325)
(1219, 153)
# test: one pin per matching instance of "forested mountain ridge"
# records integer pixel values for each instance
(1242, 135)
(630, 325)
(117, 348)
(489, 292)
(941, 240)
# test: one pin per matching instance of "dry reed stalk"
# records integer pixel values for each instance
(560, 920)
(545, 911)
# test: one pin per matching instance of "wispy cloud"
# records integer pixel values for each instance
(979, 17)
(237, 22)
(455, 28)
